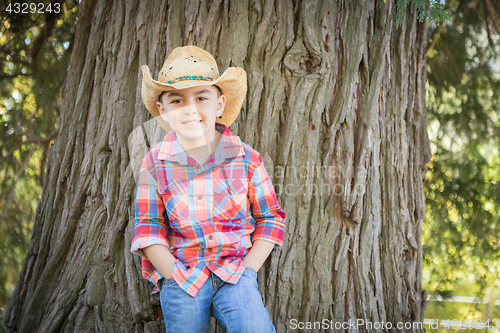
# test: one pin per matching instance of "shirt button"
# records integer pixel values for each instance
(210, 250)
(199, 197)
(210, 237)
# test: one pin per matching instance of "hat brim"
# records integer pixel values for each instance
(233, 84)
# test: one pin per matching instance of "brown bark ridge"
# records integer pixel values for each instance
(335, 105)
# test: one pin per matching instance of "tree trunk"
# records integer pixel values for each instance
(335, 104)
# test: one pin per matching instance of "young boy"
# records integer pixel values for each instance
(206, 211)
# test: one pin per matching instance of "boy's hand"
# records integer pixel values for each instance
(162, 259)
(258, 254)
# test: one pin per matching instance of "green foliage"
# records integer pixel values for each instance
(16, 229)
(460, 235)
(430, 9)
(35, 51)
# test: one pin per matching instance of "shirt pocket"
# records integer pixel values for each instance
(176, 198)
(230, 199)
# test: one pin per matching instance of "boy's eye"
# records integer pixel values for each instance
(176, 101)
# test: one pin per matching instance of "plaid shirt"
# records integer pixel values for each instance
(206, 215)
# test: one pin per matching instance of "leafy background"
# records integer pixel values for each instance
(460, 234)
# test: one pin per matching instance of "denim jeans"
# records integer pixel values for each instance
(238, 307)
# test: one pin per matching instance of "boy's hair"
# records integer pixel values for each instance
(218, 93)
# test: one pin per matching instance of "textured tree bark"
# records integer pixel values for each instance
(335, 104)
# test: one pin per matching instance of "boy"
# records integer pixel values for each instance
(206, 211)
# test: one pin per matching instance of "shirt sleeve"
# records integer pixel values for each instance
(269, 216)
(150, 212)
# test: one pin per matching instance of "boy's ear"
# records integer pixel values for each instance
(161, 110)
(221, 104)
(159, 105)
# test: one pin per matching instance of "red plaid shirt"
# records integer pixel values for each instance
(206, 215)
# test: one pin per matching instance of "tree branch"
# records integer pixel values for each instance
(13, 76)
(488, 29)
(32, 139)
(434, 39)
(491, 11)
(50, 23)
(455, 66)
(437, 34)
(487, 25)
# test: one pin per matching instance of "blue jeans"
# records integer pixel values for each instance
(238, 307)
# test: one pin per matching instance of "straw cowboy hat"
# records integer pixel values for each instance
(191, 66)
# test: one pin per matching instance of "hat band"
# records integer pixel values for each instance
(190, 77)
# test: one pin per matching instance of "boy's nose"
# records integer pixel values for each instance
(190, 109)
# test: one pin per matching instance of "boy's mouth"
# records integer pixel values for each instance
(191, 122)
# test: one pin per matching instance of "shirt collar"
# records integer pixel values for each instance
(229, 147)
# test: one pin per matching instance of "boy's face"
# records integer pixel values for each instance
(199, 104)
